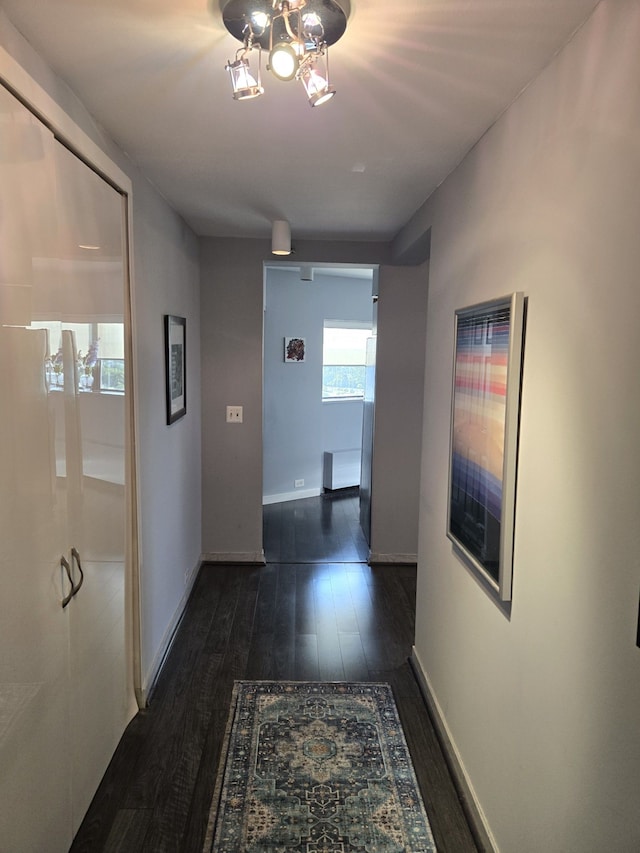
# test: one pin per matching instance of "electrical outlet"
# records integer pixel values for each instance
(298, 484)
(234, 414)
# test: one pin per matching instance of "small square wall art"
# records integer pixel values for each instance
(294, 349)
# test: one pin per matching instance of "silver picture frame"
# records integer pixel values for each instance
(485, 415)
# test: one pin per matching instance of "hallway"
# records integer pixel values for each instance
(312, 619)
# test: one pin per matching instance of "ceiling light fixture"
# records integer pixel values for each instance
(306, 272)
(280, 237)
(297, 34)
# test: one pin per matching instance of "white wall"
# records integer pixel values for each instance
(543, 707)
(298, 426)
(166, 280)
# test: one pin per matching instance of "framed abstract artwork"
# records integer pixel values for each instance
(485, 412)
(175, 341)
(294, 349)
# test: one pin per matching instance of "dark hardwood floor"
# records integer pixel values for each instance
(316, 611)
(315, 530)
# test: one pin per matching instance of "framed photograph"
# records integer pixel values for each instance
(175, 329)
(485, 411)
(294, 349)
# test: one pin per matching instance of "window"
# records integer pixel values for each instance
(100, 350)
(111, 361)
(343, 359)
(111, 374)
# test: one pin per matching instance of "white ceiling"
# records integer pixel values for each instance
(418, 83)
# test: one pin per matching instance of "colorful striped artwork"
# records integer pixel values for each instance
(479, 417)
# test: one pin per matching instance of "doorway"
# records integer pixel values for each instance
(299, 426)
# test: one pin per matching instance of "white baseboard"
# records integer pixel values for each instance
(376, 557)
(291, 496)
(143, 694)
(483, 837)
(251, 558)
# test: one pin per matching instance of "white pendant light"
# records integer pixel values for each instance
(280, 237)
(306, 272)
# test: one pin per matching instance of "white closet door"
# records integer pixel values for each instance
(35, 737)
(91, 297)
(65, 687)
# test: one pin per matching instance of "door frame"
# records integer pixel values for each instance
(320, 266)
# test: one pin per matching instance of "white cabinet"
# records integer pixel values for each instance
(65, 677)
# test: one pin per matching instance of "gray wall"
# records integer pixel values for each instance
(402, 320)
(542, 707)
(298, 426)
(166, 280)
(231, 323)
(231, 357)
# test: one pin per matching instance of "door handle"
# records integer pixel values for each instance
(64, 563)
(75, 556)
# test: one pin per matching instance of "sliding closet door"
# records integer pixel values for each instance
(91, 266)
(35, 736)
(66, 693)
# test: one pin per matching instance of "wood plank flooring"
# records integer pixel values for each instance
(315, 530)
(316, 611)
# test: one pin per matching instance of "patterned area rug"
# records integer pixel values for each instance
(316, 768)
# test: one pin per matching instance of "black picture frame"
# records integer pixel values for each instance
(175, 341)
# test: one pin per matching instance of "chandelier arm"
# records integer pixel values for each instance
(285, 14)
(248, 45)
(287, 24)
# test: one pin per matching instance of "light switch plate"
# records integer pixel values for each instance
(234, 414)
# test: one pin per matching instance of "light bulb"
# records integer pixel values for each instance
(315, 83)
(244, 79)
(311, 19)
(283, 61)
(260, 19)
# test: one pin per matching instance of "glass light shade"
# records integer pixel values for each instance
(280, 237)
(317, 88)
(243, 83)
(283, 61)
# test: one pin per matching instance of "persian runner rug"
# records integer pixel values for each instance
(314, 767)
